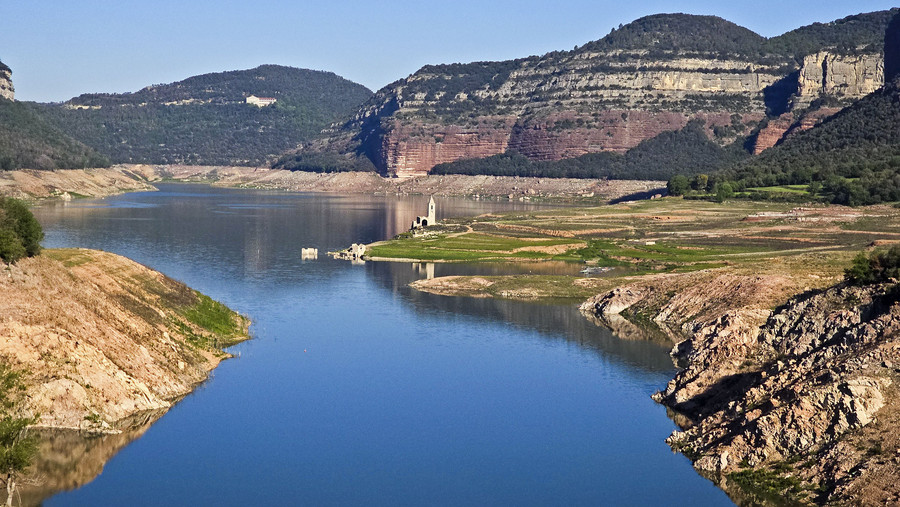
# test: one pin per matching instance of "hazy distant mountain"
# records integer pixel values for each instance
(206, 119)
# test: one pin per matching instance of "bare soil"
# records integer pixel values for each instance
(100, 338)
(135, 177)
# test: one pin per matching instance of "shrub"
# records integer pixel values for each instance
(878, 267)
(20, 232)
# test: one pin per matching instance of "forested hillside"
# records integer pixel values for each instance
(852, 158)
(28, 141)
(206, 120)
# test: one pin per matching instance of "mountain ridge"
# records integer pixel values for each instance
(569, 103)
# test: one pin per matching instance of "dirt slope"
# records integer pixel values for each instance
(101, 337)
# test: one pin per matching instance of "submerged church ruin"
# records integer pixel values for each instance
(429, 219)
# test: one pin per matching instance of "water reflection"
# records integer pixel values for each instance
(270, 227)
(554, 321)
(69, 459)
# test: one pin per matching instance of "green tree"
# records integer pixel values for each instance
(860, 271)
(724, 191)
(17, 450)
(878, 267)
(17, 446)
(678, 185)
(20, 232)
(11, 247)
(700, 182)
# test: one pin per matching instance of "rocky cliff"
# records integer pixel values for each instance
(797, 404)
(892, 50)
(646, 78)
(823, 78)
(842, 77)
(6, 87)
(7, 91)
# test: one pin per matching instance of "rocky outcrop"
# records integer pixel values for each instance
(797, 401)
(779, 129)
(7, 91)
(550, 109)
(892, 51)
(838, 76)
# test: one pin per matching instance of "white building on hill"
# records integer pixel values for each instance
(260, 101)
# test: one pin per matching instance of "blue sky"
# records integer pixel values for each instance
(62, 48)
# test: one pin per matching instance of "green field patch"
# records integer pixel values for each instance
(70, 257)
(793, 189)
(472, 246)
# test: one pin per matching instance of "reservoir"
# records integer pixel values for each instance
(356, 389)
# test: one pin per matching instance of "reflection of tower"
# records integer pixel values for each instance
(424, 268)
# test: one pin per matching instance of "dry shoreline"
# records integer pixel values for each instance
(128, 341)
(64, 184)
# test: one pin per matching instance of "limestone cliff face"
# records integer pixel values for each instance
(847, 77)
(552, 108)
(571, 103)
(648, 77)
(7, 91)
(838, 77)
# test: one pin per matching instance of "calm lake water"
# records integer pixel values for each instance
(357, 390)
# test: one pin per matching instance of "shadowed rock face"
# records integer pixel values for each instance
(812, 384)
(892, 51)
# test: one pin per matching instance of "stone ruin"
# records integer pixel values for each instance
(354, 253)
(429, 219)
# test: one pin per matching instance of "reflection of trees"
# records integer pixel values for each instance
(69, 459)
(552, 320)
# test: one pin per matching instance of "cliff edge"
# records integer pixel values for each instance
(7, 91)
(649, 77)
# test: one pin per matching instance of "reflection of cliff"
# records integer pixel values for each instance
(70, 459)
(552, 320)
